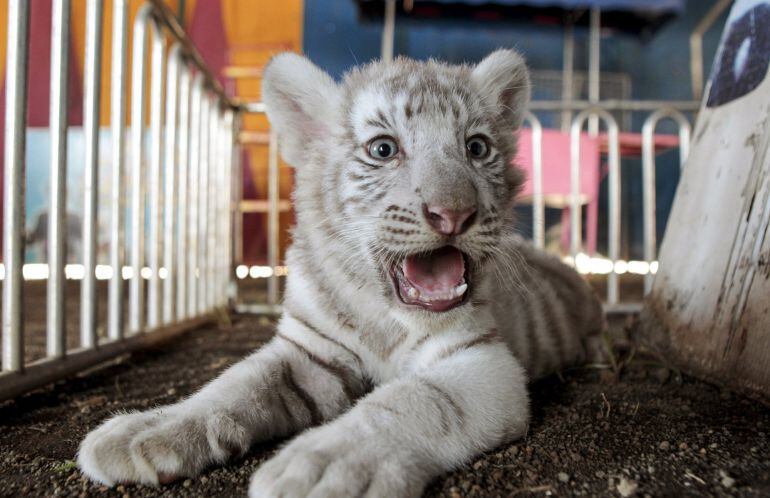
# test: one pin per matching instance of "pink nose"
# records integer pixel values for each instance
(449, 221)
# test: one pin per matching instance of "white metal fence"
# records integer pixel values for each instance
(179, 234)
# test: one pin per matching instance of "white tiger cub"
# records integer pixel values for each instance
(411, 311)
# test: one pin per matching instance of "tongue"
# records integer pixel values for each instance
(439, 270)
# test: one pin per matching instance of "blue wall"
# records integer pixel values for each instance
(335, 39)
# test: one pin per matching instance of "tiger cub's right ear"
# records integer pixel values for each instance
(301, 102)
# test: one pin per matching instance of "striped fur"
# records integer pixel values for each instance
(396, 395)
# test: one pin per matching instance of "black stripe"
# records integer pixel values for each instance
(489, 337)
(307, 400)
(342, 373)
(305, 324)
(365, 163)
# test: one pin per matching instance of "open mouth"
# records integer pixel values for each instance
(435, 281)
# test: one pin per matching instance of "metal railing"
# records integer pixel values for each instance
(181, 197)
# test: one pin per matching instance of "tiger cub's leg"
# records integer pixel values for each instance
(293, 382)
(456, 402)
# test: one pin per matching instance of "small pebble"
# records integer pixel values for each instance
(626, 487)
(563, 476)
(187, 483)
(665, 446)
(726, 481)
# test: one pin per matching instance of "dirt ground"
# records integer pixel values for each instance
(640, 429)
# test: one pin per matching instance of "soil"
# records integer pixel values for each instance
(637, 429)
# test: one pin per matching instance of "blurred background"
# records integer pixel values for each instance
(642, 51)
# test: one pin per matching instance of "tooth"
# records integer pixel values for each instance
(460, 290)
(413, 293)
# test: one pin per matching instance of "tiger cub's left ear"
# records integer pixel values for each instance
(503, 79)
(302, 102)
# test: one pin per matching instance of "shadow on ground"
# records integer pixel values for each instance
(646, 431)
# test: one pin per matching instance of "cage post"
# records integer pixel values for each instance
(117, 197)
(215, 177)
(193, 201)
(613, 192)
(227, 226)
(57, 219)
(13, 223)
(169, 181)
(138, 101)
(538, 207)
(273, 218)
(181, 215)
(648, 177)
(202, 221)
(91, 113)
(157, 85)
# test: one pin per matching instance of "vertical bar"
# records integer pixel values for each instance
(117, 200)
(575, 205)
(57, 228)
(203, 181)
(237, 196)
(193, 182)
(13, 223)
(157, 84)
(169, 185)
(568, 73)
(92, 89)
(138, 99)
(613, 189)
(648, 178)
(388, 30)
(273, 219)
(538, 205)
(182, 202)
(227, 256)
(594, 66)
(215, 159)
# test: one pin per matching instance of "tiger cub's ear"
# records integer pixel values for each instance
(301, 102)
(502, 79)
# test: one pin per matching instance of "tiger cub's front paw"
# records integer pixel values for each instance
(158, 446)
(331, 461)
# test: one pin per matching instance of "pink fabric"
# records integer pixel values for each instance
(556, 177)
(556, 164)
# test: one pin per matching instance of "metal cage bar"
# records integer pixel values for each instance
(116, 324)
(157, 145)
(170, 181)
(13, 214)
(182, 248)
(186, 185)
(613, 192)
(648, 177)
(91, 113)
(538, 205)
(57, 223)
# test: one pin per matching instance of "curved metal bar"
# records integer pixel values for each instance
(538, 206)
(92, 89)
(613, 191)
(648, 176)
(169, 179)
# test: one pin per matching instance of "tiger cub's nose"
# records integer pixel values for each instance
(449, 221)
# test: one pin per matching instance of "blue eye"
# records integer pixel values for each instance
(477, 147)
(383, 148)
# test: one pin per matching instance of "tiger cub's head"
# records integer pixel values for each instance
(408, 163)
